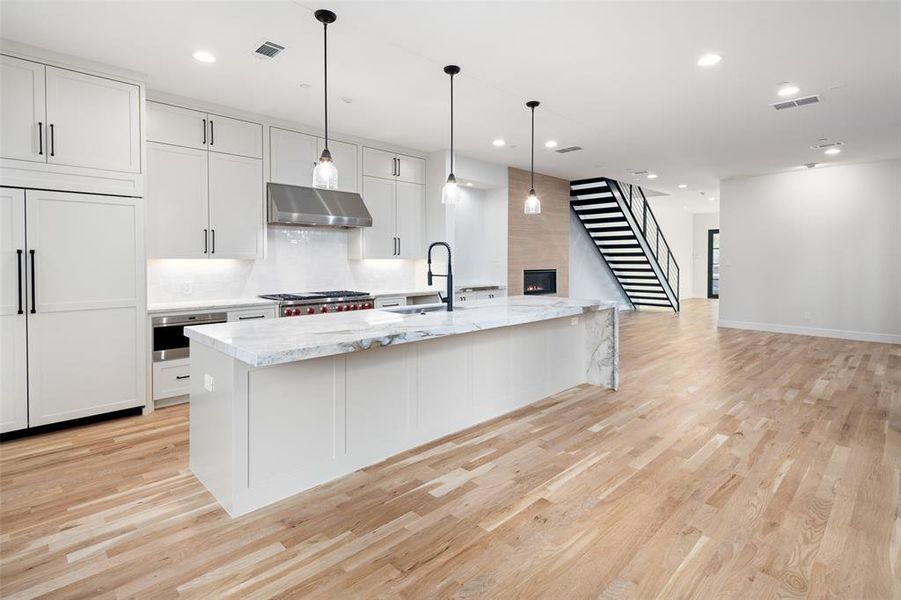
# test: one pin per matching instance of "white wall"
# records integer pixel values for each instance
(702, 223)
(589, 275)
(677, 226)
(816, 251)
(298, 259)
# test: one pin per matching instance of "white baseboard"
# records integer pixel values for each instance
(861, 336)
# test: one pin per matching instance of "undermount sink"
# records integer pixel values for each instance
(419, 310)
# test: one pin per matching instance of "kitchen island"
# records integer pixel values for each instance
(281, 405)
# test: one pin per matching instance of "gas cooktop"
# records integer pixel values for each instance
(320, 296)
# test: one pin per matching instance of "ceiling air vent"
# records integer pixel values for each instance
(268, 50)
(796, 102)
(568, 149)
(824, 145)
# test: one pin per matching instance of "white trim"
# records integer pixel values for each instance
(861, 336)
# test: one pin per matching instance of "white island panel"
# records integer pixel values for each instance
(266, 433)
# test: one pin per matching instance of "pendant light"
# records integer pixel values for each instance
(325, 174)
(451, 193)
(533, 204)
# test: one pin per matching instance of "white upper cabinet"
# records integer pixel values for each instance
(177, 205)
(410, 169)
(391, 165)
(179, 126)
(22, 110)
(234, 136)
(292, 156)
(380, 240)
(236, 213)
(176, 125)
(379, 163)
(92, 122)
(344, 156)
(409, 219)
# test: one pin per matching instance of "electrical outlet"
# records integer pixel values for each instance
(208, 382)
(186, 288)
(807, 316)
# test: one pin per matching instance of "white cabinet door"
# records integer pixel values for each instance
(344, 155)
(86, 338)
(292, 156)
(93, 122)
(379, 163)
(13, 305)
(410, 169)
(379, 241)
(175, 125)
(22, 118)
(176, 196)
(234, 136)
(410, 200)
(236, 206)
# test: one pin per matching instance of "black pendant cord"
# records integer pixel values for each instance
(452, 125)
(325, 76)
(532, 170)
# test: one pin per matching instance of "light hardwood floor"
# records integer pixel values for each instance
(730, 464)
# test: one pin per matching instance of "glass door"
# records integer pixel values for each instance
(713, 263)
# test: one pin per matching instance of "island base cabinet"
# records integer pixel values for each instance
(259, 435)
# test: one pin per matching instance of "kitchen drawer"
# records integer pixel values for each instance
(171, 378)
(249, 314)
(390, 301)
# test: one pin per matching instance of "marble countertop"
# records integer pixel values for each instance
(268, 342)
(196, 305)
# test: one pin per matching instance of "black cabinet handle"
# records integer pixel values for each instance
(204, 132)
(211, 133)
(52, 141)
(213, 247)
(182, 376)
(206, 241)
(398, 167)
(34, 284)
(40, 138)
(398, 246)
(251, 317)
(19, 257)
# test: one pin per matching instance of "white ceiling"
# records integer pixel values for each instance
(618, 79)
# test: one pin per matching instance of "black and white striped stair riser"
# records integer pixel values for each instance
(604, 219)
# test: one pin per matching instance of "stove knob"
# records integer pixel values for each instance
(324, 309)
(339, 308)
(347, 307)
(354, 307)
(290, 312)
(311, 311)
(368, 305)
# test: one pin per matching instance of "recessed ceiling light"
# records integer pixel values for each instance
(787, 90)
(204, 56)
(713, 198)
(498, 143)
(468, 184)
(652, 176)
(682, 186)
(708, 60)
(832, 151)
(550, 144)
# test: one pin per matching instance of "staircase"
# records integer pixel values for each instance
(625, 231)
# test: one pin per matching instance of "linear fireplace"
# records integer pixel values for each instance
(539, 281)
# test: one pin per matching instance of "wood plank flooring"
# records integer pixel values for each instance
(731, 464)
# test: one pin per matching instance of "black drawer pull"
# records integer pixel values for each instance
(251, 317)
(182, 376)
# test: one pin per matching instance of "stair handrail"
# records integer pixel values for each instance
(642, 224)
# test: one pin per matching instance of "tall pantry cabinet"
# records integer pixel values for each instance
(72, 264)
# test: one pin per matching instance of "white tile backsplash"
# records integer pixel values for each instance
(298, 259)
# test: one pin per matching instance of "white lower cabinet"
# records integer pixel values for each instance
(82, 302)
(171, 378)
(13, 341)
(250, 314)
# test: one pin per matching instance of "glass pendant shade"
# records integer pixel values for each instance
(533, 204)
(325, 173)
(451, 192)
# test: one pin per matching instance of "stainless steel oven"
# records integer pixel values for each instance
(169, 341)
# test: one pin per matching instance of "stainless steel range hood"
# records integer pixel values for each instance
(296, 205)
